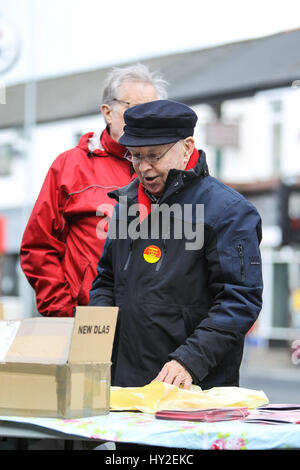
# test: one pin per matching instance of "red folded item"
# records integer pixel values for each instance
(208, 415)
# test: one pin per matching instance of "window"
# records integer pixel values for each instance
(276, 147)
(6, 154)
(281, 296)
(9, 275)
(276, 106)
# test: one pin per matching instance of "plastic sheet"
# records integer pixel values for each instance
(161, 396)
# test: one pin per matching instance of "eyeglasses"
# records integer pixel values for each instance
(122, 102)
(152, 159)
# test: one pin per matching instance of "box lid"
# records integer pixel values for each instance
(57, 340)
(41, 340)
(93, 334)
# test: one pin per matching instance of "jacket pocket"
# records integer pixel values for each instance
(125, 267)
(163, 254)
(75, 272)
(246, 263)
(85, 285)
(163, 322)
(237, 265)
(241, 254)
(192, 316)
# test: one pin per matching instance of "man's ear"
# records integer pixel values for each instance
(189, 145)
(106, 111)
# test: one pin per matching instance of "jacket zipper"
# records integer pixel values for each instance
(242, 263)
(129, 256)
(164, 250)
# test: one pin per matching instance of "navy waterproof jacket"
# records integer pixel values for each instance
(192, 305)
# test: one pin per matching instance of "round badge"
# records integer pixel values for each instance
(152, 254)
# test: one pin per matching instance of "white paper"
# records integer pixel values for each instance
(8, 331)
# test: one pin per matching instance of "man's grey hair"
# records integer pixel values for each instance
(136, 73)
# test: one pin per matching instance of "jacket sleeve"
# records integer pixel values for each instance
(43, 248)
(235, 283)
(102, 290)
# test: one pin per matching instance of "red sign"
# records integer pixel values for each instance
(2, 235)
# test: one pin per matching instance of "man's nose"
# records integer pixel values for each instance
(144, 165)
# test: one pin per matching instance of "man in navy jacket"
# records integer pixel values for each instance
(182, 259)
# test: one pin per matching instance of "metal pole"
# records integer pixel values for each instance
(26, 291)
(217, 107)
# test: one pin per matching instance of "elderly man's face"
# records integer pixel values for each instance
(153, 174)
(129, 94)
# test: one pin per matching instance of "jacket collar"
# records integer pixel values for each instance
(101, 145)
(197, 166)
(111, 146)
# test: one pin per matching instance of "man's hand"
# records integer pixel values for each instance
(174, 373)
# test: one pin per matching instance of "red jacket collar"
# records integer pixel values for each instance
(193, 160)
(111, 146)
(107, 146)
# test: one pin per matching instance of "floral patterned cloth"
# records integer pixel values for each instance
(142, 428)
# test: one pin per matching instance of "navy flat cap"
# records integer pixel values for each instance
(156, 123)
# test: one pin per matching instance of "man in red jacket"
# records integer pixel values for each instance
(65, 234)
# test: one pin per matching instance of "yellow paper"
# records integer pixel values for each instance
(158, 396)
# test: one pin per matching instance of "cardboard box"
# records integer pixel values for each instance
(57, 367)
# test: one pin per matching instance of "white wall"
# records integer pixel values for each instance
(205, 115)
(253, 160)
(250, 161)
(291, 157)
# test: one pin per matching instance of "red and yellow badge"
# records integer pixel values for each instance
(152, 254)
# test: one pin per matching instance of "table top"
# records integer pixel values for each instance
(143, 428)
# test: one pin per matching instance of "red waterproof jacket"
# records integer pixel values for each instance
(65, 234)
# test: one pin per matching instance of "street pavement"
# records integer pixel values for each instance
(276, 371)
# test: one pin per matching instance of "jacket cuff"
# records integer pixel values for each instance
(195, 379)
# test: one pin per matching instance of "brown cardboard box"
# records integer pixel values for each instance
(57, 367)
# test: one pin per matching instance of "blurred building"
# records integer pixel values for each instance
(247, 99)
